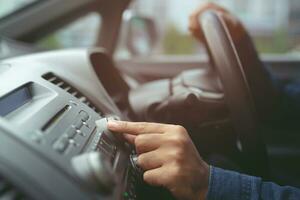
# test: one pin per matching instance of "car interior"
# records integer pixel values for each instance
(55, 104)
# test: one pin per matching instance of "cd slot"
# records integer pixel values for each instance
(56, 118)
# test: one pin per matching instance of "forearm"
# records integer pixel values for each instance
(235, 186)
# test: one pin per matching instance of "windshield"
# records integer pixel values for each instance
(273, 24)
(10, 6)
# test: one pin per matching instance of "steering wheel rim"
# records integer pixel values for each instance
(242, 102)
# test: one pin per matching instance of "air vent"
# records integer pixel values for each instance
(68, 88)
(9, 192)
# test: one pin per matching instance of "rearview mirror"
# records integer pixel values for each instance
(141, 35)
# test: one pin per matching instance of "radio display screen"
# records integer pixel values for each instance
(14, 100)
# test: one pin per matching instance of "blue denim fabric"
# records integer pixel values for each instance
(224, 184)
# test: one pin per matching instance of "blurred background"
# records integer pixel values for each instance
(274, 25)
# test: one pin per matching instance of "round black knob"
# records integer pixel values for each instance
(95, 171)
(137, 171)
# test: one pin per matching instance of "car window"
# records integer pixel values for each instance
(274, 24)
(81, 33)
(10, 6)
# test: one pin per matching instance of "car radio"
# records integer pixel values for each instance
(54, 141)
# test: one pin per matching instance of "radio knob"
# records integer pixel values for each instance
(102, 127)
(95, 171)
(137, 171)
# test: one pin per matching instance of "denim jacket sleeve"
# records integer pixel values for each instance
(231, 185)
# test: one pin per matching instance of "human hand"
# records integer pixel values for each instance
(168, 156)
(231, 21)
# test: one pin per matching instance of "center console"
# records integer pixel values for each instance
(54, 141)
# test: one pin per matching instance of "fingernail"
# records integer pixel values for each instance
(111, 124)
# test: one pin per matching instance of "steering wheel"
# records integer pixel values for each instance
(247, 86)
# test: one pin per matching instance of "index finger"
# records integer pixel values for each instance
(135, 128)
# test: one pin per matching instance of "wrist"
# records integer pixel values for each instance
(204, 189)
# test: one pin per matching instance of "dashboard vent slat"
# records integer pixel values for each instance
(52, 79)
(71, 90)
(67, 89)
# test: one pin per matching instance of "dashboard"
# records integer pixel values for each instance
(54, 143)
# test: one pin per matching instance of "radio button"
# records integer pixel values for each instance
(84, 116)
(61, 144)
(73, 142)
(78, 123)
(86, 124)
(71, 132)
(79, 132)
